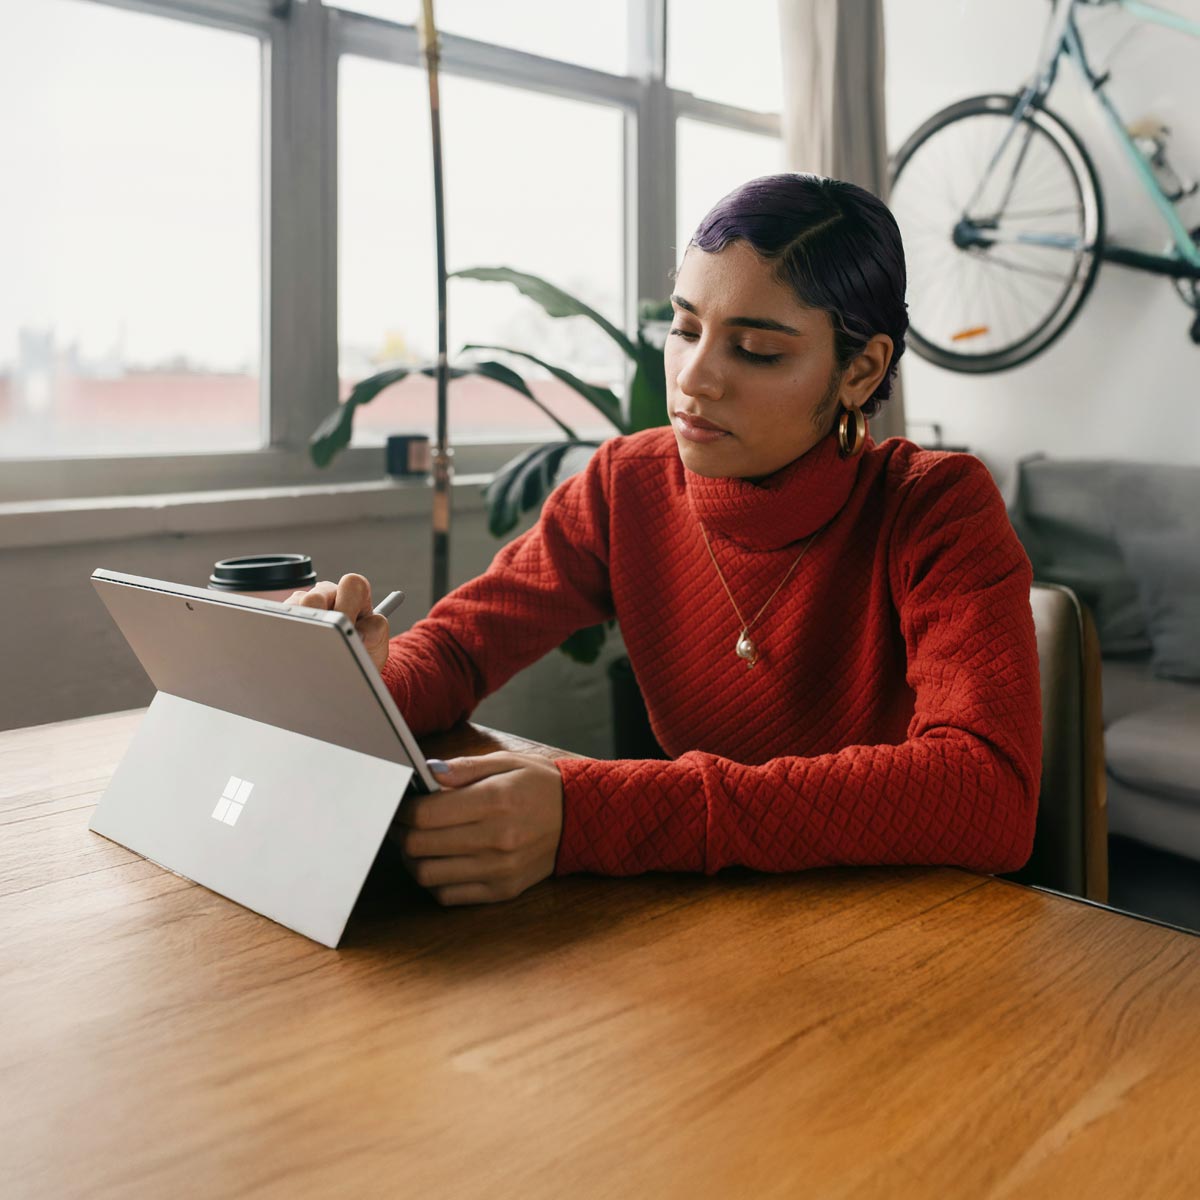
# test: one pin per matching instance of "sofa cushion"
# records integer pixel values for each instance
(1129, 686)
(1060, 513)
(1158, 749)
(1156, 520)
(1168, 824)
(1168, 572)
(1125, 536)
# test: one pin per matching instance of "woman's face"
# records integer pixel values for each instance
(751, 379)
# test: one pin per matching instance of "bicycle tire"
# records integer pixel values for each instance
(1083, 173)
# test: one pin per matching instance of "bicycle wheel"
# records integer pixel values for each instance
(999, 261)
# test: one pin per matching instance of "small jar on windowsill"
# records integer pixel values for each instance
(408, 456)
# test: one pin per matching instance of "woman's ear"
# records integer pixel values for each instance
(865, 372)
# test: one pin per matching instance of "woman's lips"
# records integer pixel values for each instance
(697, 429)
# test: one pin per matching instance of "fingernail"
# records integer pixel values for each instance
(437, 766)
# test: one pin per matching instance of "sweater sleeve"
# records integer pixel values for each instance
(961, 789)
(540, 588)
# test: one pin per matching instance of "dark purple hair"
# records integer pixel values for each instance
(835, 245)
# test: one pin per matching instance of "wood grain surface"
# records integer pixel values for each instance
(882, 1032)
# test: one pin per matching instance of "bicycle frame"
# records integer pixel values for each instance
(1062, 38)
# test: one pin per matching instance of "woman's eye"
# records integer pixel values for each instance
(740, 351)
(758, 358)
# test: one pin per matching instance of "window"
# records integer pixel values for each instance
(532, 182)
(724, 52)
(151, 240)
(131, 308)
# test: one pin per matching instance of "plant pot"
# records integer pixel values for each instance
(632, 735)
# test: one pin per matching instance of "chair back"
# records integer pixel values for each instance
(1070, 847)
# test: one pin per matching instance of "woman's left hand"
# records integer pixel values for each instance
(492, 833)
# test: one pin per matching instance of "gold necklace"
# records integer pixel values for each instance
(745, 649)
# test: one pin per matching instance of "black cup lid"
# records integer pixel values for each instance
(262, 573)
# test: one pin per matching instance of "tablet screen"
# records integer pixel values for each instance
(297, 669)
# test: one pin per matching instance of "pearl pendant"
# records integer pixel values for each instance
(745, 649)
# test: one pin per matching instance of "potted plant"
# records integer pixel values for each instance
(524, 482)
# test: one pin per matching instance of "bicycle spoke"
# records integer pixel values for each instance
(988, 294)
(944, 311)
(1010, 283)
(995, 260)
(1043, 174)
(962, 306)
(1037, 214)
(1038, 296)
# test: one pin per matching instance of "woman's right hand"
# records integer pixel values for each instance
(351, 595)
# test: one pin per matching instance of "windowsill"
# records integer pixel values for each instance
(90, 479)
(115, 518)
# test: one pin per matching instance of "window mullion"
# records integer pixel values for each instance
(727, 115)
(300, 233)
(651, 154)
(656, 191)
(649, 165)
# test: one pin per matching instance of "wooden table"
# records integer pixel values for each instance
(839, 1033)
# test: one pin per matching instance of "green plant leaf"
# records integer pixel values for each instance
(599, 398)
(506, 375)
(584, 645)
(553, 300)
(523, 483)
(333, 434)
(503, 493)
(648, 392)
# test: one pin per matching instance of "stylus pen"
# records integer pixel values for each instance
(389, 604)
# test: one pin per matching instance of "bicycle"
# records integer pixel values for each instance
(1002, 214)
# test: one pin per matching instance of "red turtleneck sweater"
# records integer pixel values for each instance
(894, 715)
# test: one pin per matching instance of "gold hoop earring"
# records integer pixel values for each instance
(860, 432)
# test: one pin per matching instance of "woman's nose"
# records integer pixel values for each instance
(698, 374)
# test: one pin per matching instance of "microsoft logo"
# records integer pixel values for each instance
(233, 800)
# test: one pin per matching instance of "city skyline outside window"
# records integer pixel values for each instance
(131, 308)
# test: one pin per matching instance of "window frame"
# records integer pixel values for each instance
(302, 42)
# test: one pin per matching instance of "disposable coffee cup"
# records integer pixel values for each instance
(265, 576)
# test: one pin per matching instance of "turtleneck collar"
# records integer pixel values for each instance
(783, 508)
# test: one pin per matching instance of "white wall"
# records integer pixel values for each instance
(1124, 380)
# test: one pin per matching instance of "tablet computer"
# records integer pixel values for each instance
(272, 760)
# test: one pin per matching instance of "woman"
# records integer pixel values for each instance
(833, 637)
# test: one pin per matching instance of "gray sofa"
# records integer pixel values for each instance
(1125, 537)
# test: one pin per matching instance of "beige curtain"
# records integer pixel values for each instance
(834, 121)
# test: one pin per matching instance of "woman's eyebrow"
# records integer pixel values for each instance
(748, 322)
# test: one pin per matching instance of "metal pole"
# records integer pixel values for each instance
(442, 454)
